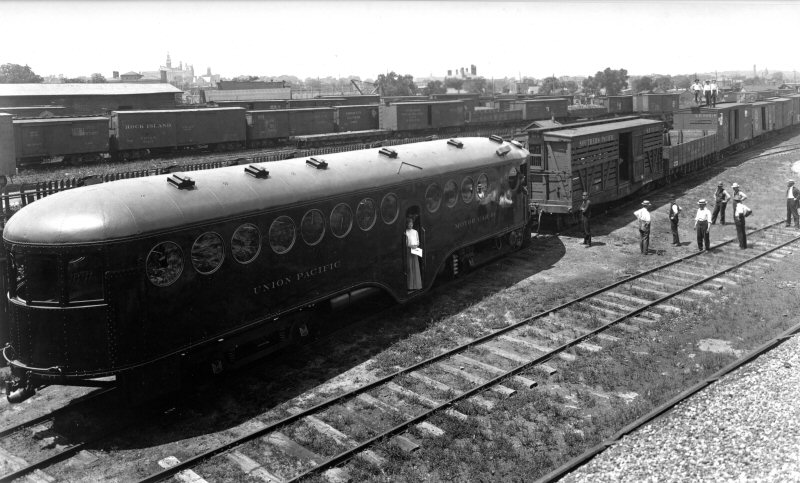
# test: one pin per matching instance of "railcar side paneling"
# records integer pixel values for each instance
(39, 139)
(145, 274)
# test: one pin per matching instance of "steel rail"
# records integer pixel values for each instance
(193, 461)
(347, 454)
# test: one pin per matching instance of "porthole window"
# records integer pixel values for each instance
(246, 243)
(467, 189)
(281, 234)
(482, 187)
(164, 264)
(389, 208)
(513, 178)
(433, 197)
(312, 228)
(207, 253)
(366, 214)
(341, 220)
(450, 193)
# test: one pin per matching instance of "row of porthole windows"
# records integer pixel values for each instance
(165, 261)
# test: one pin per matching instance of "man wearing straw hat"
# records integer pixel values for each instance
(702, 223)
(792, 197)
(643, 215)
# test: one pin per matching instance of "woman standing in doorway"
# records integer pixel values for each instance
(414, 277)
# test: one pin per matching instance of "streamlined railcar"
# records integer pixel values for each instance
(139, 278)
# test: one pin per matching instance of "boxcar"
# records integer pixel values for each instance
(8, 161)
(264, 127)
(170, 129)
(536, 109)
(447, 114)
(795, 98)
(763, 117)
(70, 137)
(620, 104)
(311, 121)
(656, 103)
(783, 112)
(731, 122)
(404, 116)
(356, 118)
(609, 160)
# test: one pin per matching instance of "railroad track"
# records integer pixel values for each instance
(481, 371)
(50, 449)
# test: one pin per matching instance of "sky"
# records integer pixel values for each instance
(367, 38)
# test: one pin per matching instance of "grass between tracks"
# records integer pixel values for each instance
(534, 431)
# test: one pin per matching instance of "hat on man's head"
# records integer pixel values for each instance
(735, 185)
(585, 194)
(791, 181)
(701, 202)
(719, 184)
(645, 203)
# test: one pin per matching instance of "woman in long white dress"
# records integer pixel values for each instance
(412, 261)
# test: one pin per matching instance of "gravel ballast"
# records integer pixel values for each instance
(744, 427)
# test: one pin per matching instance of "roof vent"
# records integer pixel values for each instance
(181, 182)
(503, 150)
(257, 171)
(456, 143)
(516, 143)
(317, 163)
(496, 138)
(388, 152)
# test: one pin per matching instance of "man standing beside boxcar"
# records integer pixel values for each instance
(707, 92)
(702, 223)
(643, 215)
(721, 198)
(585, 214)
(674, 216)
(792, 197)
(739, 213)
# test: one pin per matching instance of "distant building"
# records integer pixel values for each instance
(245, 85)
(130, 76)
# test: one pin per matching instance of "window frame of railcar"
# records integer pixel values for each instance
(22, 285)
(456, 193)
(467, 200)
(98, 270)
(480, 195)
(221, 252)
(321, 232)
(258, 250)
(396, 207)
(270, 234)
(350, 224)
(432, 203)
(180, 272)
(374, 217)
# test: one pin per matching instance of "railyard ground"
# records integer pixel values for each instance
(535, 430)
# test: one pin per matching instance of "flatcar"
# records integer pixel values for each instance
(142, 277)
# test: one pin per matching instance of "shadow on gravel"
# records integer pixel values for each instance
(259, 391)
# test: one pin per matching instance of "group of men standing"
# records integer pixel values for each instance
(709, 91)
(703, 219)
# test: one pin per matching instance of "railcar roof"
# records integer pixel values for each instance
(162, 111)
(601, 128)
(721, 106)
(136, 207)
(51, 120)
(108, 89)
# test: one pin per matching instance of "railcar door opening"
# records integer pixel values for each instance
(625, 155)
(413, 237)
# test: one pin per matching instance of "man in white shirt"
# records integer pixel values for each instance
(739, 193)
(792, 197)
(643, 215)
(739, 214)
(707, 92)
(674, 216)
(714, 93)
(697, 89)
(702, 223)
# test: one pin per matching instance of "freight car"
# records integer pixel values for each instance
(141, 277)
(613, 159)
(80, 139)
